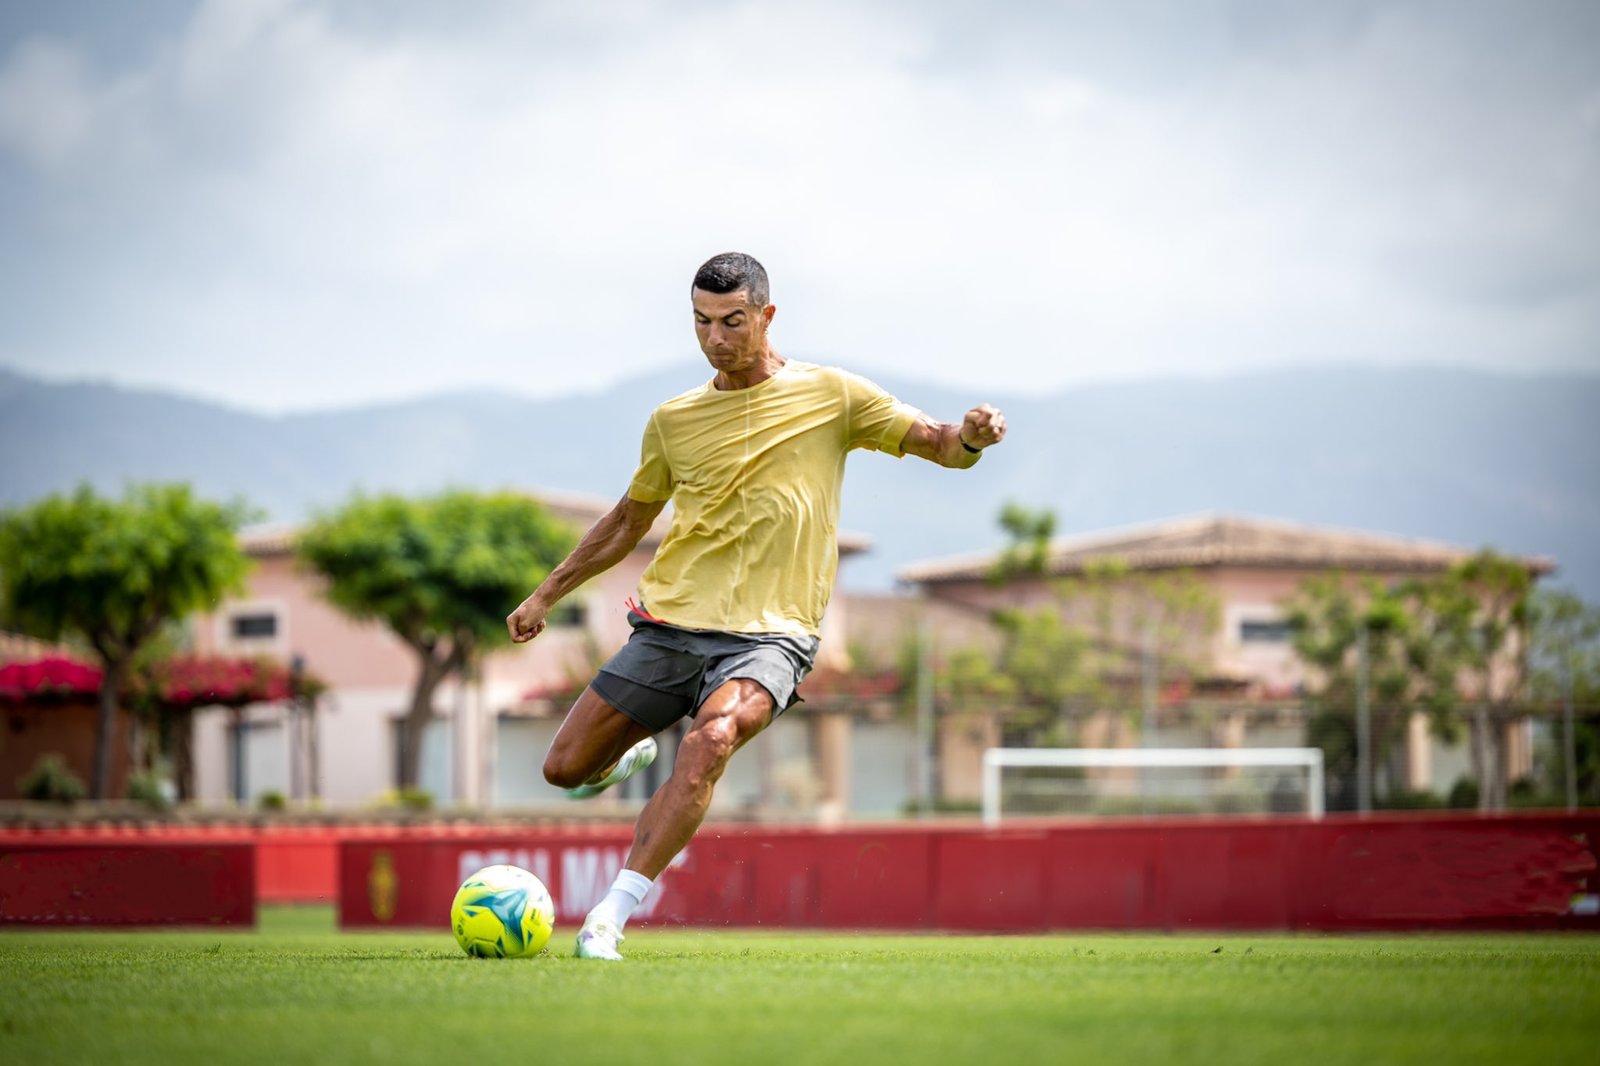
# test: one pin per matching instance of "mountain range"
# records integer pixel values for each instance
(1470, 458)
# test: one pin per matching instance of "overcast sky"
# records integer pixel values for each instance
(294, 204)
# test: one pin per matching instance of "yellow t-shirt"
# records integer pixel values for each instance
(753, 476)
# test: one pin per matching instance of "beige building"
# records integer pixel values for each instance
(1250, 566)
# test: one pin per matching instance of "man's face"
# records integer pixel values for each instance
(732, 332)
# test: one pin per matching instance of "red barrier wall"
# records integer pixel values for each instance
(59, 879)
(1341, 873)
(1391, 872)
(297, 865)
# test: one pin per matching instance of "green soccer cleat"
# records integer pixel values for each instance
(633, 760)
(599, 940)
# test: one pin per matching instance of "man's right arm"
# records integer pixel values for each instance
(606, 544)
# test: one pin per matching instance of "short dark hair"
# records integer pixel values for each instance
(732, 271)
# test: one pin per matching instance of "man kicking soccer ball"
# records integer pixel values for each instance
(731, 604)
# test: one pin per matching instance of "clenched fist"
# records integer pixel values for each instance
(983, 426)
(527, 621)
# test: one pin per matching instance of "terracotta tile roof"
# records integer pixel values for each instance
(1224, 540)
(277, 539)
(580, 509)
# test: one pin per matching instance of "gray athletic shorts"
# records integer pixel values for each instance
(665, 673)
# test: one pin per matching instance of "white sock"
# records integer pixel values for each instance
(626, 893)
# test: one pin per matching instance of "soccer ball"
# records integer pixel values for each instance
(502, 912)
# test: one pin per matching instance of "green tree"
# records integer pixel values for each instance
(1486, 603)
(1035, 675)
(1028, 549)
(1406, 668)
(1110, 632)
(441, 573)
(1149, 627)
(1453, 647)
(1563, 676)
(1563, 648)
(113, 572)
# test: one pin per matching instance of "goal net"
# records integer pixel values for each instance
(1110, 781)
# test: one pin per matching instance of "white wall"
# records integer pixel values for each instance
(883, 767)
(265, 749)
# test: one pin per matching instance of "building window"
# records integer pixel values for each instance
(257, 625)
(1264, 632)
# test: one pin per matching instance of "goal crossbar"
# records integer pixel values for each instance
(994, 759)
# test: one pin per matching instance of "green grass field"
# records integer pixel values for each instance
(297, 990)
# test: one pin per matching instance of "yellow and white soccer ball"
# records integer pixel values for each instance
(502, 912)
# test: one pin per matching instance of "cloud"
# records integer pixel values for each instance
(45, 110)
(295, 204)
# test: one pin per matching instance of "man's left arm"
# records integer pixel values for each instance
(956, 445)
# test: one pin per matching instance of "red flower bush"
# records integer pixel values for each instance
(189, 681)
(180, 683)
(52, 680)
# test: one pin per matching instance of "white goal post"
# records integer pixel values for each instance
(994, 759)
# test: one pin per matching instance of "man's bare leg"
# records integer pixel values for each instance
(733, 714)
(590, 741)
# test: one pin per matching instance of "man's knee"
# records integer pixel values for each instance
(710, 744)
(562, 772)
(593, 736)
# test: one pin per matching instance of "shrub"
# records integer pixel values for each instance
(1526, 794)
(1463, 794)
(51, 782)
(410, 799)
(1411, 800)
(416, 799)
(913, 807)
(272, 800)
(150, 790)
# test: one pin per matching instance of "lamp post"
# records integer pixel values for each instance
(236, 754)
(1363, 725)
(303, 725)
(1147, 715)
(1148, 685)
(1568, 741)
(297, 673)
(924, 766)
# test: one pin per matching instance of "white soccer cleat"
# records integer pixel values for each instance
(599, 940)
(633, 760)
